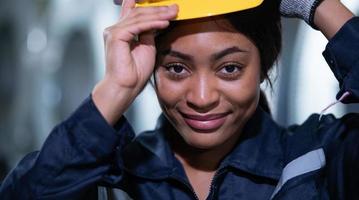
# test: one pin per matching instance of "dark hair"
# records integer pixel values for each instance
(262, 26)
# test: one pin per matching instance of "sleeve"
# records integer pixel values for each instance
(77, 155)
(340, 140)
(342, 55)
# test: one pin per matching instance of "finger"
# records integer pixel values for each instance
(148, 38)
(132, 31)
(147, 27)
(149, 15)
(127, 6)
(155, 9)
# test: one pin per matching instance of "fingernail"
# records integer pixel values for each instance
(173, 6)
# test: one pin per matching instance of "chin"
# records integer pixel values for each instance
(204, 141)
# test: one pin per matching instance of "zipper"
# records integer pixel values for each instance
(211, 190)
(213, 181)
(187, 185)
(191, 188)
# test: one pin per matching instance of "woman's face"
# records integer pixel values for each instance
(207, 81)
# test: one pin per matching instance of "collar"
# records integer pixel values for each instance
(258, 152)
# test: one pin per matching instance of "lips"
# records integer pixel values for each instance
(205, 123)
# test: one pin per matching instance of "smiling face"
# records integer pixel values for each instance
(207, 81)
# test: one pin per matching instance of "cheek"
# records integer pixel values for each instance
(244, 91)
(169, 93)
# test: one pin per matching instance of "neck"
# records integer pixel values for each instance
(205, 160)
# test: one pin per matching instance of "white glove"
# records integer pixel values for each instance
(304, 9)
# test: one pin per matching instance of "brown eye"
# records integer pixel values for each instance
(177, 70)
(230, 71)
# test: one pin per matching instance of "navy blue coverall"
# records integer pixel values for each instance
(316, 160)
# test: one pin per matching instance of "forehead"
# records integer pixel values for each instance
(210, 31)
(207, 24)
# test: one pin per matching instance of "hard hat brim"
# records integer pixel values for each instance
(190, 9)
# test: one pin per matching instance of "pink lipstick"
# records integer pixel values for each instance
(205, 123)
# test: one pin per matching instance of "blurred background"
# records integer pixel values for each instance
(51, 56)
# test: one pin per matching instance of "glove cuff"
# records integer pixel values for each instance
(304, 9)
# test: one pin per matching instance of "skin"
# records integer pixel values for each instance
(189, 81)
(202, 91)
(113, 96)
(115, 92)
(330, 16)
(227, 85)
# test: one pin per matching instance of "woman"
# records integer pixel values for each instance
(214, 140)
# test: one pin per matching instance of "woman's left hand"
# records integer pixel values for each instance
(303, 9)
(326, 15)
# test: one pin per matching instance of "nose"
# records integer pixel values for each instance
(203, 95)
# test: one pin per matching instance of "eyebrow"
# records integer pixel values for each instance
(215, 56)
(225, 52)
(177, 54)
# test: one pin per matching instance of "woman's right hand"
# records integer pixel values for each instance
(130, 57)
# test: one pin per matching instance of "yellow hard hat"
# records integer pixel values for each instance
(190, 9)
